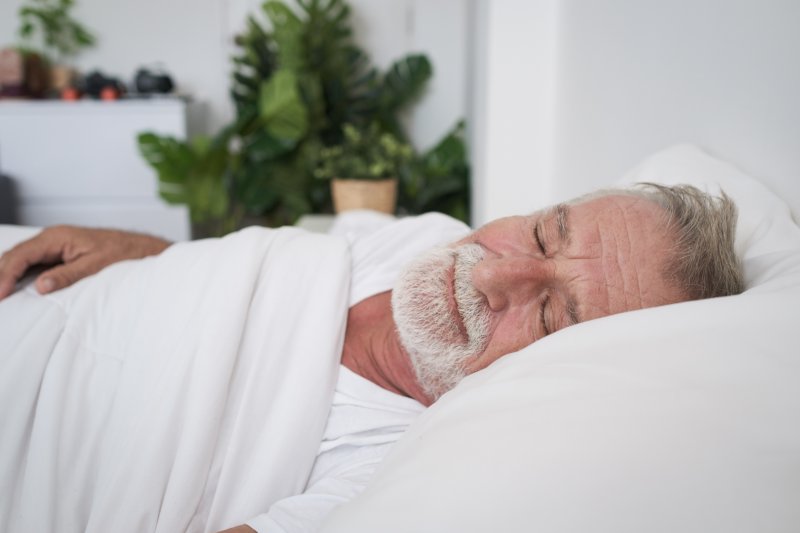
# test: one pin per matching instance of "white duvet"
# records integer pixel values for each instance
(185, 392)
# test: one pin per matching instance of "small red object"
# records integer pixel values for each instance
(109, 93)
(70, 94)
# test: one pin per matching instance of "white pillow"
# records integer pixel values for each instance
(765, 221)
(681, 418)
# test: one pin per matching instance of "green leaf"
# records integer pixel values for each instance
(449, 154)
(254, 63)
(82, 36)
(207, 197)
(200, 144)
(313, 96)
(26, 29)
(364, 153)
(284, 114)
(252, 190)
(170, 158)
(191, 173)
(439, 179)
(263, 147)
(59, 31)
(438, 188)
(172, 194)
(246, 81)
(288, 32)
(404, 81)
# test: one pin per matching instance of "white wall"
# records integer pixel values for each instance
(572, 93)
(514, 97)
(637, 75)
(193, 40)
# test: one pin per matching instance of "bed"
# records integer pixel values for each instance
(677, 418)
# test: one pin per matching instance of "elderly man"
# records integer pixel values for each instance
(456, 309)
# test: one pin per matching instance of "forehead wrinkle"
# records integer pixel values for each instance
(632, 282)
(586, 285)
(633, 299)
(607, 282)
(612, 272)
(619, 238)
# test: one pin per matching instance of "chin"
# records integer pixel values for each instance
(441, 338)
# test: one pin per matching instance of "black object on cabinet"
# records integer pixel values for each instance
(8, 201)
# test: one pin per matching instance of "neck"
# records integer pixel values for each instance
(373, 351)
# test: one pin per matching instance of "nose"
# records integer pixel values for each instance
(507, 280)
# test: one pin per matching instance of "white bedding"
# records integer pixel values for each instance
(167, 394)
(683, 418)
(679, 418)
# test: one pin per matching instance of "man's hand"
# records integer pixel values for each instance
(76, 252)
(239, 529)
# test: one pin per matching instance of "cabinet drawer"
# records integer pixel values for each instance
(83, 149)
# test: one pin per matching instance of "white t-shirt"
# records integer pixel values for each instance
(365, 419)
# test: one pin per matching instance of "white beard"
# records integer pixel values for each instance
(429, 328)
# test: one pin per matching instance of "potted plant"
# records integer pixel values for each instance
(311, 52)
(364, 169)
(193, 174)
(62, 36)
(295, 87)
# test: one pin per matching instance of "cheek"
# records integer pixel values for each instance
(513, 331)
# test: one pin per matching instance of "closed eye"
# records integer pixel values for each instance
(542, 309)
(538, 235)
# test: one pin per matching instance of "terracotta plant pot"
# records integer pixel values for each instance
(378, 195)
(61, 77)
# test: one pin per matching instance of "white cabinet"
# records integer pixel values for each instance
(78, 163)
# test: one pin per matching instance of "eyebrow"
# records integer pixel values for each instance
(572, 312)
(562, 211)
(563, 229)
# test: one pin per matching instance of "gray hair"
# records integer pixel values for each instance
(703, 263)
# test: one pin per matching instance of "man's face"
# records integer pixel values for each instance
(518, 279)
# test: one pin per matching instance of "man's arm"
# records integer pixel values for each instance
(75, 252)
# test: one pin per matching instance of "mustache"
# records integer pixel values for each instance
(471, 304)
(440, 337)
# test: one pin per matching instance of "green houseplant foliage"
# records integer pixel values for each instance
(61, 34)
(193, 174)
(295, 87)
(439, 179)
(274, 177)
(364, 154)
